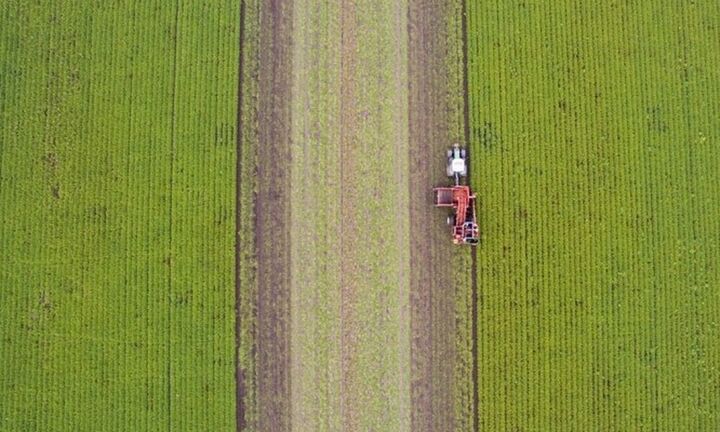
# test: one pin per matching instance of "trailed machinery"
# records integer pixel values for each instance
(459, 198)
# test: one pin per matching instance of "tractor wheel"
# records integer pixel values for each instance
(451, 220)
(449, 154)
(462, 153)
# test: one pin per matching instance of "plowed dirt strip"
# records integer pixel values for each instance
(272, 216)
(334, 316)
(435, 123)
(430, 253)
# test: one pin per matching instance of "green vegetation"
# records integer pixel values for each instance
(316, 218)
(594, 135)
(247, 187)
(375, 184)
(117, 140)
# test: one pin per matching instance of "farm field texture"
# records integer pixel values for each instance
(354, 325)
(594, 132)
(117, 140)
(219, 216)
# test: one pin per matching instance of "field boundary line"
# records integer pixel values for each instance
(473, 251)
(239, 377)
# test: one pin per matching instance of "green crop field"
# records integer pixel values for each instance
(594, 132)
(217, 216)
(117, 140)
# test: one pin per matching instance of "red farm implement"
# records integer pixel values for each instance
(459, 197)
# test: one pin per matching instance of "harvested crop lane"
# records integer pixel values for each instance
(438, 285)
(272, 216)
(349, 272)
(430, 284)
(374, 172)
(315, 218)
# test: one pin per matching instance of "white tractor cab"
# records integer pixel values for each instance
(456, 166)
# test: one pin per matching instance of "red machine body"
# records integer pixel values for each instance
(463, 222)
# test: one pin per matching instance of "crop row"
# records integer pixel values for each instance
(118, 139)
(591, 139)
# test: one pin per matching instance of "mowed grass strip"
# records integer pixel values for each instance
(316, 222)
(116, 160)
(246, 176)
(596, 131)
(375, 198)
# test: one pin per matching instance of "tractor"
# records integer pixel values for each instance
(459, 197)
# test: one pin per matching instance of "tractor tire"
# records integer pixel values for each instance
(451, 220)
(462, 153)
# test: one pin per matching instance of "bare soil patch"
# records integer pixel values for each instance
(272, 212)
(431, 289)
(348, 270)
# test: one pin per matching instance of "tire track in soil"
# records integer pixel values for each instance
(431, 282)
(272, 210)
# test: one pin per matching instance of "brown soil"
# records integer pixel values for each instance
(272, 212)
(348, 271)
(431, 290)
